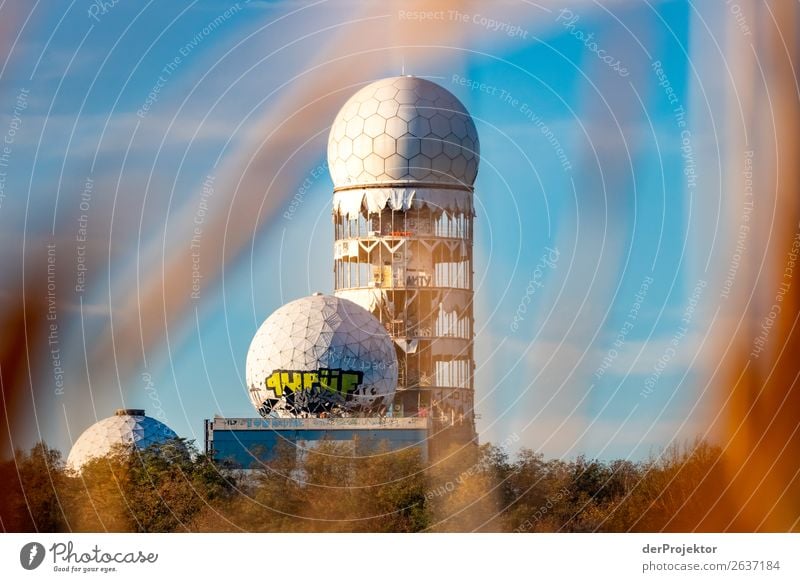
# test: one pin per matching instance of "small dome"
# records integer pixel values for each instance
(320, 353)
(127, 426)
(403, 129)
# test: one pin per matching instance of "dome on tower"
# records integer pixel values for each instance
(403, 130)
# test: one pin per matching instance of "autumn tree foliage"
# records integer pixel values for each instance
(328, 488)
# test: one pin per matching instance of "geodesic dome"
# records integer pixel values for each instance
(403, 129)
(127, 426)
(321, 354)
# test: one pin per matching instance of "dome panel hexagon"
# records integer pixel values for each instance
(409, 116)
(341, 361)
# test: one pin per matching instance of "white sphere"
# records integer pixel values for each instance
(403, 129)
(321, 354)
(126, 427)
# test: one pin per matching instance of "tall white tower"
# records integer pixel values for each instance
(403, 154)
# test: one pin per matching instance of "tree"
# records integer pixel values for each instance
(346, 486)
(34, 491)
(158, 489)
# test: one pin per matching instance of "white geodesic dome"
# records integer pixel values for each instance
(403, 129)
(127, 426)
(321, 354)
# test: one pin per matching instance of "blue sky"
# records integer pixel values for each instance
(617, 213)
